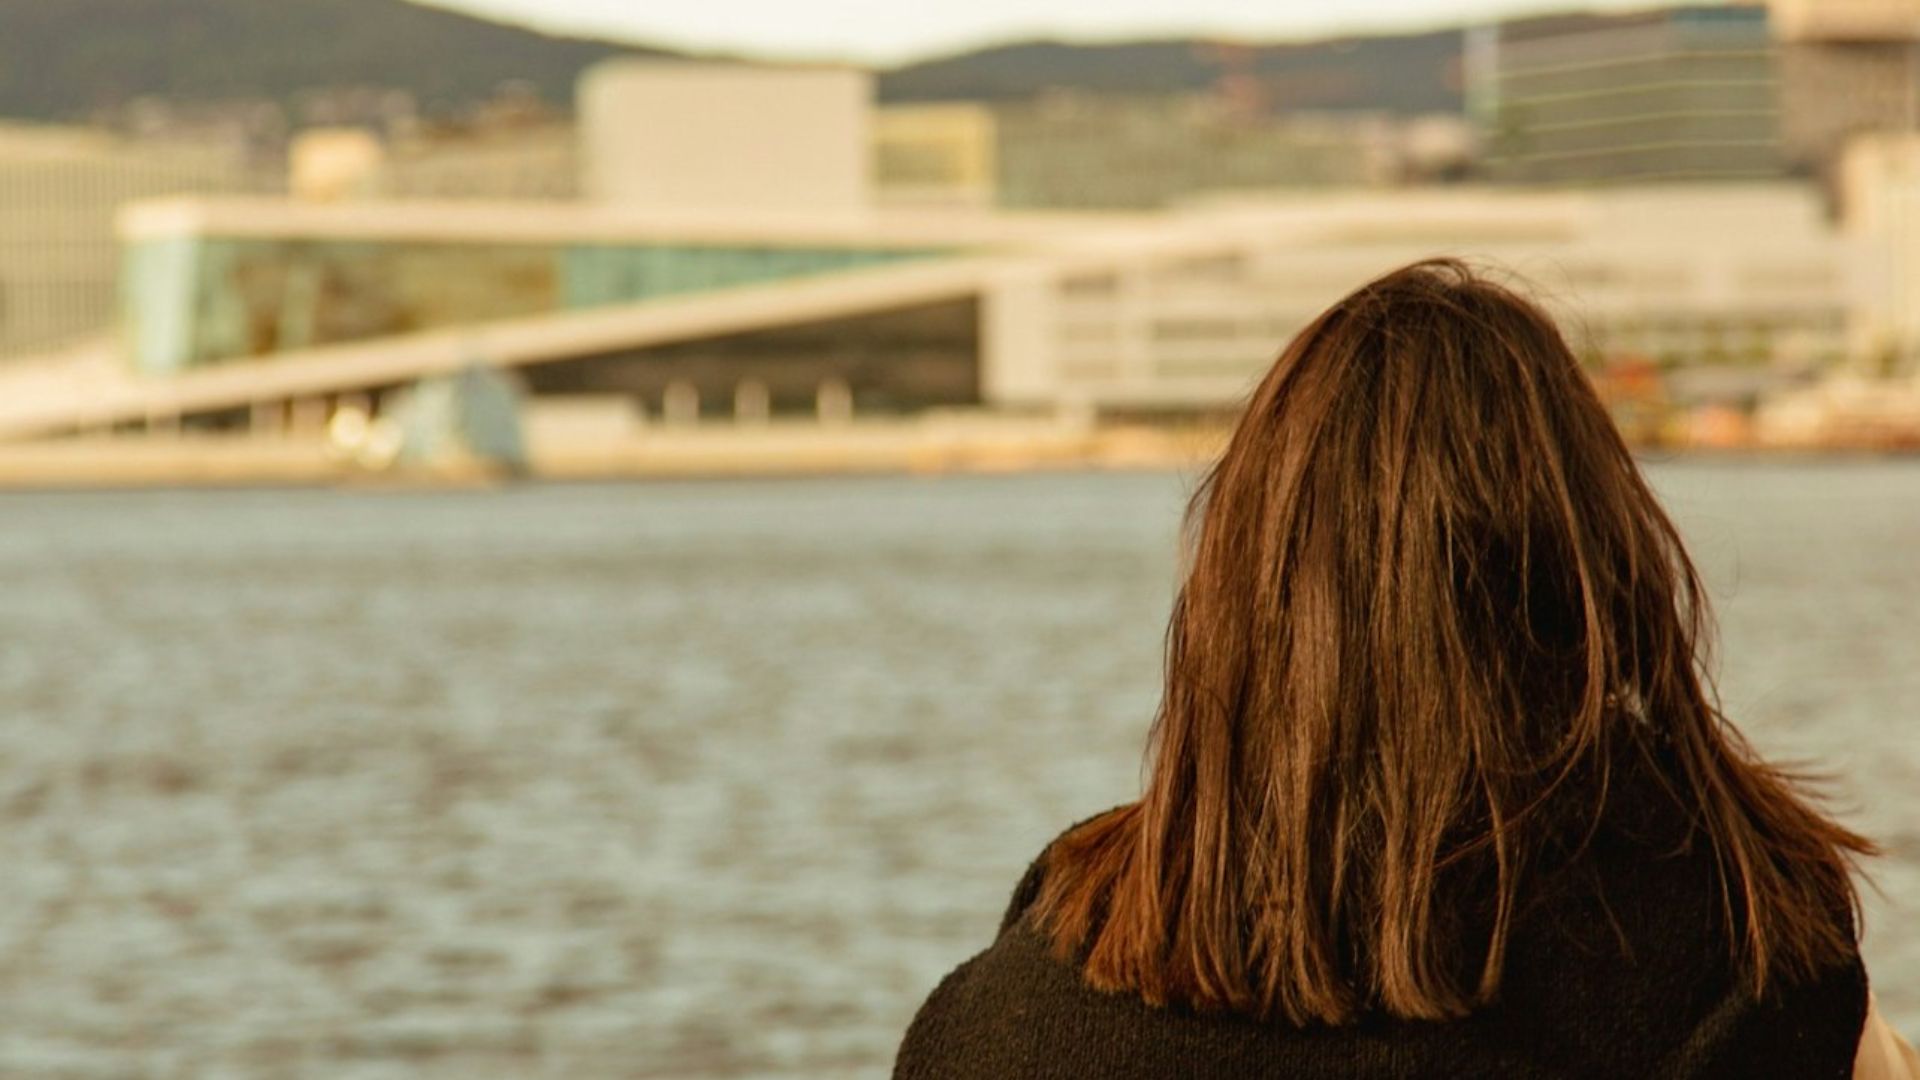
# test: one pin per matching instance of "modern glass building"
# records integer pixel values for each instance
(1686, 93)
(195, 298)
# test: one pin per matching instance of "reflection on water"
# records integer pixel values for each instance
(680, 780)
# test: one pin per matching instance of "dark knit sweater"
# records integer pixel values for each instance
(1630, 979)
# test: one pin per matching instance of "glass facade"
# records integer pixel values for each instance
(1684, 94)
(195, 301)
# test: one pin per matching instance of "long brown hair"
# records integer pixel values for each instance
(1430, 605)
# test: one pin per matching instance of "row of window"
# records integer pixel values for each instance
(1217, 347)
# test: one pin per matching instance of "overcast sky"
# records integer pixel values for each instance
(884, 31)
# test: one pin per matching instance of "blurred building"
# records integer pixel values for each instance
(512, 147)
(1080, 151)
(1087, 151)
(236, 305)
(689, 136)
(329, 164)
(1694, 275)
(60, 189)
(252, 131)
(1699, 275)
(1847, 67)
(267, 278)
(1845, 20)
(736, 259)
(1879, 184)
(945, 154)
(533, 162)
(1682, 93)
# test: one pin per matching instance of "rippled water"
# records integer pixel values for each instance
(692, 780)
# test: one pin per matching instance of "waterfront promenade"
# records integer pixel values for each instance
(934, 444)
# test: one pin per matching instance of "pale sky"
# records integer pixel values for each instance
(886, 31)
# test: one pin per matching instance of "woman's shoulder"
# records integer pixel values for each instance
(1026, 893)
(1574, 1003)
(964, 1027)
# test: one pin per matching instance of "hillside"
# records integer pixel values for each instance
(61, 59)
(1406, 73)
(65, 59)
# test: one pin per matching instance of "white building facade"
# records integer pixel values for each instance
(1188, 313)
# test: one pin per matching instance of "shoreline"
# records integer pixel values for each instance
(924, 447)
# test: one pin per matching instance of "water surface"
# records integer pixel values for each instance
(689, 780)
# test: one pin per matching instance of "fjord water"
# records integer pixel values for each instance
(689, 780)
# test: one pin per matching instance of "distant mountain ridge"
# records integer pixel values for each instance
(1401, 73)
(66, 59)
